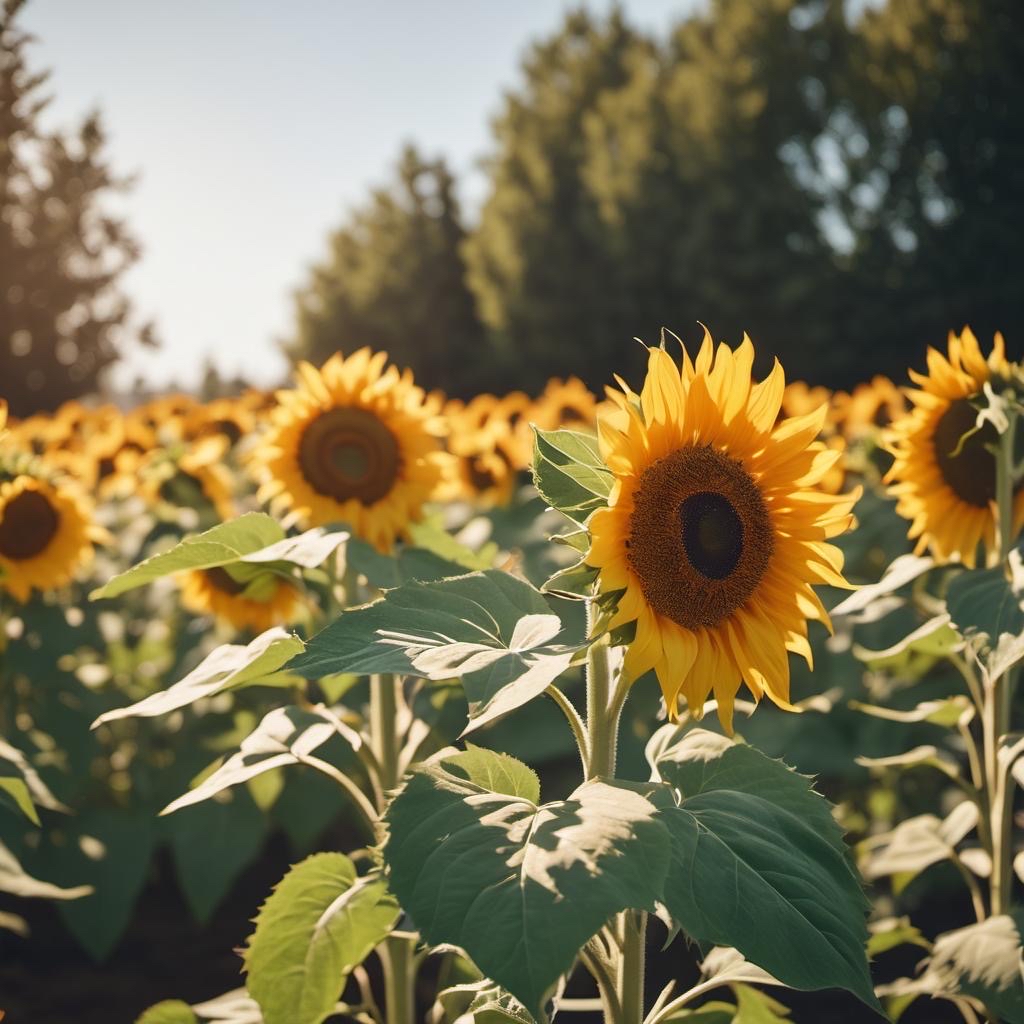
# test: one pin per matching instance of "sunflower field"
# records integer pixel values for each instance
(496, 672)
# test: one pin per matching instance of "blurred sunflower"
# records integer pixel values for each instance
(948, 494)
(480, 469)
(46, 534)
(265, 601)
(510, 421)
(565, 404)
(223, 417)
(871, 406)
(354, 443)
(190, 477)
(715, 531)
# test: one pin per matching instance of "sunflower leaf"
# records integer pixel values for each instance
(757, 875)
(902, 571)
(410, 563)
(168, 1011)
(491, 630)
(254, 539)
(519, 887)
(16, 881)
(286, 736)
(936, 638)
(228, 667)
(320, 922)
(569, 473)
(21, 786)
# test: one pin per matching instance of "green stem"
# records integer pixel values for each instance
(384, 736)
(399, 979)
(626, 936)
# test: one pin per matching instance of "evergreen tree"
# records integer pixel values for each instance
(395, 280)
(63, 318)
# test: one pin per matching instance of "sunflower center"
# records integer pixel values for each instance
(28, 525)
(971, 473)
(712, 534)
(348, 453)
(700, 536)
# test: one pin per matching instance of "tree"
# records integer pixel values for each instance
(63, 318)
(395, 280)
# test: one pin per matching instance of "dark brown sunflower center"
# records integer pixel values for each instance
(349, 453)
(28, 525)
(223, 581)
(700, 536)
(971, 473)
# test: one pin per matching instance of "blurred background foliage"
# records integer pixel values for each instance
(842, 180)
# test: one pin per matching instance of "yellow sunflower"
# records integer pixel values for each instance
(568, 404)
(269, 600)
(190, 477)
(869, 407)
(46, 534)
(715, 530)
(949, 498)
(353, 443)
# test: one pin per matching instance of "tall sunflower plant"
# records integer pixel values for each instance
(701, 535)
(958, 477)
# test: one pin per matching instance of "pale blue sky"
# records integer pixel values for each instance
(253, 125)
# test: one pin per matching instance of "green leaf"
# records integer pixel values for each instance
(752, 874)
(170, 1011)
(228, 667)
(982, 960)
(21, 785)
(308, 550)
(946, 713)
(925, 756)
(17, 882)
(496, 773)
(386, 571)
(575, 582)
(727, 966)
(491, 630)
(225, 543)
(699, 761)
(934, 639)
(285, 736)
(212, 844)
(715, 1012)
(321, 921)
(902, 571)
(984, 603)
(519, 887)
(569, 473)
(431, 536)
(917, 843)
(757, 1008)
(893, 932)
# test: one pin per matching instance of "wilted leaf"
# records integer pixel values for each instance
(926, 756)
(918, 842)
(226, 668)
(935, 639)
(16, 881)
(946, 713)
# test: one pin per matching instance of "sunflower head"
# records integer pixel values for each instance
(354, 443)
(715, 529)
(257, 604)
(943, 477)
(565, 404)
(46, 535)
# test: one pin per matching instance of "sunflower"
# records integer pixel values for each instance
(715, 531)
(480, 468)
(870, 407)
(266, 601)
(354, 443)
(191, 477)
(46, 534)
(949, 498)
(510, 421)
(568, 403)
(223, 417)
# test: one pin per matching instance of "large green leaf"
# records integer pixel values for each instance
(228, 667)
(285, 736)
(409, 563)
(225, 543)
(569, 473)
(212, 843)
(491, 630)
(253, 541)
(699, 761)
(519, 887)
(756, 875)
(321, 921)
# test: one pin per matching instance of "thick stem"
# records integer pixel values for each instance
(399, 979)
(602, 726)
(384, 728)
(631, 973)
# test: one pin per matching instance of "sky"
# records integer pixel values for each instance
(253, 125)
